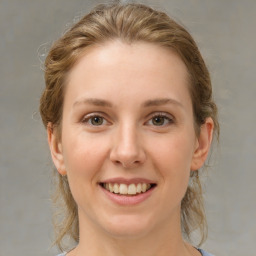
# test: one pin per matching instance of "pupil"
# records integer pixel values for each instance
(97, 120)
(158, 120)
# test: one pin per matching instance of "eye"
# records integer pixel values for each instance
(94, 120)
(160, 119)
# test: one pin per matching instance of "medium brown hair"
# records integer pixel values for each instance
(128, 23)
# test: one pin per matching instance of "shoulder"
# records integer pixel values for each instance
(204, 253)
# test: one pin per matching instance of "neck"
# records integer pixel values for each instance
(165, 240)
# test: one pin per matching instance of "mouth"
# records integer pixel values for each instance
(132, 189)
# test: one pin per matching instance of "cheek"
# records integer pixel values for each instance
(172, 157)
(175, 150)
(83, 158)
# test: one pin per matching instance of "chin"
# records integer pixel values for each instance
(128, 227)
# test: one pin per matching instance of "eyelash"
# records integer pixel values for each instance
(88, 119)
(167, 119)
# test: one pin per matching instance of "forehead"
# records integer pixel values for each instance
(138, 67)
(118, 52)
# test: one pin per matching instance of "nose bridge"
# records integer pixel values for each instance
(127, 149)
(128, 139)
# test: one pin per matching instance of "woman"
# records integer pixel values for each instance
(130, 118)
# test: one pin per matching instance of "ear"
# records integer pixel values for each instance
(56, 149)
(203, 144)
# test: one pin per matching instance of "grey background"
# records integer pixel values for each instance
(225, 32)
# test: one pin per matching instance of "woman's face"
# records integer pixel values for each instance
(128, 127)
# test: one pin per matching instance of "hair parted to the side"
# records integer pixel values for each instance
(129, 23)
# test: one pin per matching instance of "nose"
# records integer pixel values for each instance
(127, 149)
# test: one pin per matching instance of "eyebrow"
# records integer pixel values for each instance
(93, 101)
(161, 101)
(148, 103)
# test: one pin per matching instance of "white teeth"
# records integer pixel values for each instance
(124, 189)
(144, 187)
(132, 189)
(111, 187)
(116, 188)
(138, 189)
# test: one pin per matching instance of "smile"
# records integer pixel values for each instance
(127, 192)
(125, 189)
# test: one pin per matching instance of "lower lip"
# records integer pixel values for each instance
(128, 200)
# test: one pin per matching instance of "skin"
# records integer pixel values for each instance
(135, 80)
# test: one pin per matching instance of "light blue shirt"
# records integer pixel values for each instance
(204, 253)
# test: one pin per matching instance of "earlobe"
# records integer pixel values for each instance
(203, 144)
(56, 149)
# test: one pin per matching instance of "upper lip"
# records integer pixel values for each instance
(121, 180)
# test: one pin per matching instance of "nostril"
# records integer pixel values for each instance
(127, 158)
(117, 162)
(130, 164)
